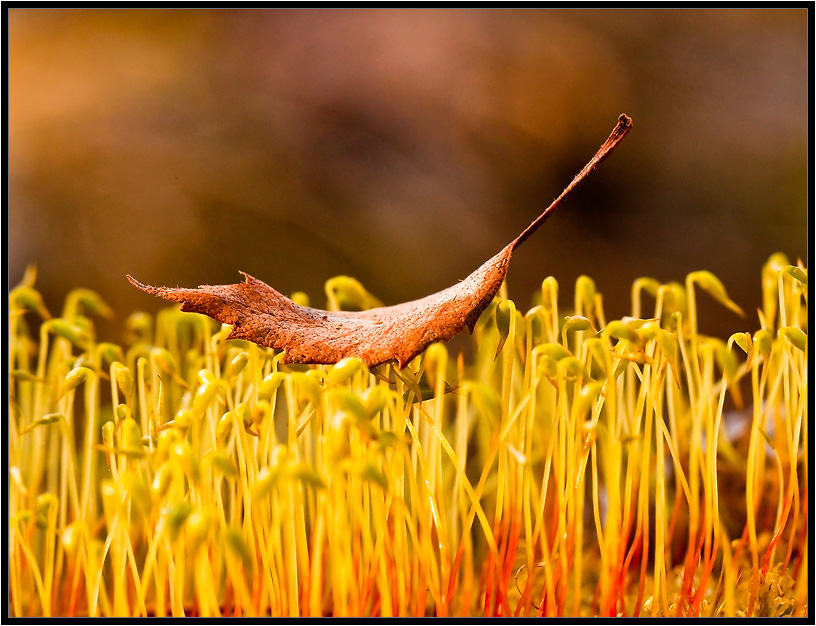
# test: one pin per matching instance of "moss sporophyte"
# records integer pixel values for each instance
(573, 466)
(577, 466)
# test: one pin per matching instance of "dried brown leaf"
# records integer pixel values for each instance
(264, 316)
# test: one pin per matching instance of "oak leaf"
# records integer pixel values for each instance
(264, 316)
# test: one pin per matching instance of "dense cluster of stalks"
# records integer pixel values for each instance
(572, 466)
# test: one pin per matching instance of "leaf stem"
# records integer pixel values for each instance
(618, 133)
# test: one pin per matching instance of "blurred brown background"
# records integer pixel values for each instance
(403, 147)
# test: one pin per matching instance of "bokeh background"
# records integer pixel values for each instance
(403, 147)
